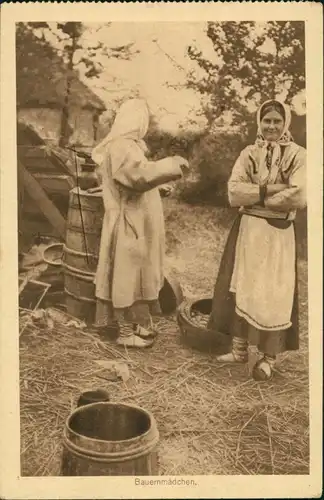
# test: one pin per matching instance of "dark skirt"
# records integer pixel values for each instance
(224, 319)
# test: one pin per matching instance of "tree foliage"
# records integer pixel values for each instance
(252, 62)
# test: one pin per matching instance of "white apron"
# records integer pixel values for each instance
(264, 274)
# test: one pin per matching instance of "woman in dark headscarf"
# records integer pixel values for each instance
(255, 296)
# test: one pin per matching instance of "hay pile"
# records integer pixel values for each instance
(213, 419)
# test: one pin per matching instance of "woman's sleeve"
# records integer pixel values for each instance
(294, 197)
(241, 191)
(140, 175)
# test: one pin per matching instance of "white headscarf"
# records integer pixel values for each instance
(283, 140)
(285, 137)
(131, 122)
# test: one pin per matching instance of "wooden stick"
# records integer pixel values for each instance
(24, 283)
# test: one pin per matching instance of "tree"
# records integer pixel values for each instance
(252, 62)
(69, 42)
(74, 32)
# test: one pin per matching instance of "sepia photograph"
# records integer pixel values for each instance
(162, 256)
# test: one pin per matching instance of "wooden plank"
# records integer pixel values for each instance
(36, 227)
(33, 151)
(37, 165)
(51, 159)
(37, 193)
(58, 184)
(65, 158)
(61, 201)
(30, 206)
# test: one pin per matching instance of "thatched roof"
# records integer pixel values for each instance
(42, 77)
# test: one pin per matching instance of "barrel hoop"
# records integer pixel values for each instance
(80, 254)
(124, 456)
(79, 229)
(73, 271)
(78, 298)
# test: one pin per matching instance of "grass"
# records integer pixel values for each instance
(213, 419)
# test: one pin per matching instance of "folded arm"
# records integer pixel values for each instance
(280, 197)
(241, 191)
(293, 197)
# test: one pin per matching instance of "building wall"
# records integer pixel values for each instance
(81, 121)
(46, 122)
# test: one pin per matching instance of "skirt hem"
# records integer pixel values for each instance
(255, 324)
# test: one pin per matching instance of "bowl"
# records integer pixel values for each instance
(53, 254)
(192, 318)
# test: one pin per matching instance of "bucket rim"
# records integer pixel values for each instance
(48, 249)
(110, 403)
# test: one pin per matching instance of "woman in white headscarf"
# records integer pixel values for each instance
(130, 271)
(255, 297)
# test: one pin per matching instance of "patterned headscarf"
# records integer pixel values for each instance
(285, 112)
(270, 154)
(131, 122)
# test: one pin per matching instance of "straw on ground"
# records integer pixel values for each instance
(213, 419)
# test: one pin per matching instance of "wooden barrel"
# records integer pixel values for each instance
(81, 251)
(110, 439)
(80, 294)
(83, 233)
(80, 260)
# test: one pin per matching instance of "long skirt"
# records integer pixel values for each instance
(249, 299)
